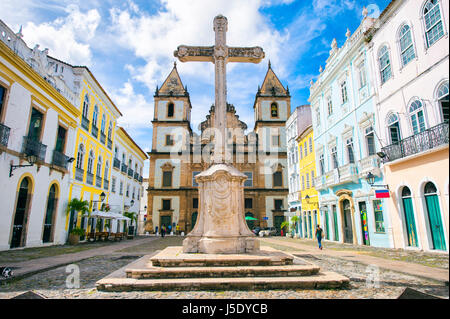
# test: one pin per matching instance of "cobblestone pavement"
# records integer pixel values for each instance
(430, 259)
(52, 283)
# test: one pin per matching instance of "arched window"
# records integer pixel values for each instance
(90, 162)
(385, 64)
(434, 216)
(103, 127)
(86, 106)
(95, 116)
(443, 100)
(274, 110)
(99, 167)
(80, 156)
(19, 231)
(408, 213)
(433, 22)
(394, 128)
(417, 117)
(170, 110)
(47, 235)
(406, 45)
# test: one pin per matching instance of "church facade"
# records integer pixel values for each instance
(178, 154)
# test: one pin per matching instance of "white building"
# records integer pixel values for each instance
(37, 124)
(294, 199)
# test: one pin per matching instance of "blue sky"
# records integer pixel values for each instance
(129, 45)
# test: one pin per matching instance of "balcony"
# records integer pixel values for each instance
(94, 131)
(85, 123)
(136, 176)
(320, 182)
(105, 184)
(32, 147)
(124, 168)
(348, 174)
(4, 135)
(109, 144)
(140, 179)
(130, 173)
(332, 178)
(79, 173)
(421, 142)
(59, 159)
(98, 181)
(102, 138)
(369, 164)
(89, 178)
(116, 163)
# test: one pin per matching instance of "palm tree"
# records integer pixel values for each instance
(77, 205)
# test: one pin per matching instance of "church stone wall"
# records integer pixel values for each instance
(178, 110)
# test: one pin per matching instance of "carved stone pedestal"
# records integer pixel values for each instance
(221, 226)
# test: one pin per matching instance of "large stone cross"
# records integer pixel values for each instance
(220, 54)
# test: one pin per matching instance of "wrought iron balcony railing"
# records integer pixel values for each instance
(59, 159)
(423, 141)
(130, 172)
(124, 168)
(89, 178)
(102, 138)
(79, 173)
(33, 147)
(136, 176)
(140, 179)
(85, 123)
(4, 135)
(94, 131)
(116, 163)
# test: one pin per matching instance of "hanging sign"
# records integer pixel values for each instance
(382, 193)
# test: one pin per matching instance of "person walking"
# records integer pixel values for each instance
(163, 231)
(178, 229)
(156, 230)
(319, 235)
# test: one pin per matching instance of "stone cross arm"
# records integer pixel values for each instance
(207, 54)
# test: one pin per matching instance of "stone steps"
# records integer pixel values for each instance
(323, 280)
(225, 272)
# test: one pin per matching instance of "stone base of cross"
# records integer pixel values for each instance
(221, 225)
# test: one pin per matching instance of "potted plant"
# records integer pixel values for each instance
(75, 234)
(75, 206)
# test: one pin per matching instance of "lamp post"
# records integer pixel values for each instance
(370, 178)
(32, 159)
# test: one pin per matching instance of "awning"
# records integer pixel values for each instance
(108, 215)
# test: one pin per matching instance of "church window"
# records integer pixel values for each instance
(278, 179)
(167, 179)
(169, 140)
(249, 203)
(334, 157)
(170, 110)
(433, 22)
(406, 45)
(249, 181)
(194, 182)
(195, 203)
(278, 204)
(166, 204)
(274, 110)
(385, 64)
(275, 140)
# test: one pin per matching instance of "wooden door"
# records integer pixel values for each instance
(347, 218)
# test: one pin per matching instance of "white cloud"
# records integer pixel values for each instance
(68, 38)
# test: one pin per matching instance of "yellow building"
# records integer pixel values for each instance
(310, 215)
(93, 144)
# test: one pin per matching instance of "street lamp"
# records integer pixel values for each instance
(370, 178)
(102, 198)
(32, 159)
(307, 198)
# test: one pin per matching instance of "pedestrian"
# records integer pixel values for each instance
(156, 230)
(319, 235)
(169, 229)
(178, 229)
(163, 231)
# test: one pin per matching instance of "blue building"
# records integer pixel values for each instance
(343, 114)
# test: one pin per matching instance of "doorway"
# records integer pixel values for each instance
(408, 213)
(21, 215)
(364, 223)
(277, 221)
(310, 226)
(165, 220)
(347, 218)
(47, 235)
(434, 216)
(335, 221)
